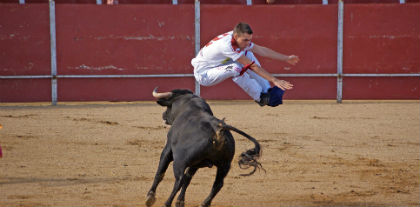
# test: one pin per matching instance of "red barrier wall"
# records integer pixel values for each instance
(381, 39)
(159, 39)
(24, 50)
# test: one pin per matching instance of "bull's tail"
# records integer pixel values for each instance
(250, 157)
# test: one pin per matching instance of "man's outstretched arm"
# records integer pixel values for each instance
(267, 52)
(264, 74)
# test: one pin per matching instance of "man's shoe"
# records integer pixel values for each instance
(264, 99)
(276, 96)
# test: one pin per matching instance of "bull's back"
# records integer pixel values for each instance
(193, 125)
(195, 133)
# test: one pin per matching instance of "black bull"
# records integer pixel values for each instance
(195, 140)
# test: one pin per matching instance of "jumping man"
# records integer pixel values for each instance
(230, 55)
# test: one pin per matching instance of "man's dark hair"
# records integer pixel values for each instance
(242, 28)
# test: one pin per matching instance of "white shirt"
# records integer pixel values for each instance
(219, 51)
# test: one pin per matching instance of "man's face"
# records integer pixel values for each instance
(243, 40)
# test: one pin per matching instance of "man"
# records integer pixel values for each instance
(230, 55)
(111, 2)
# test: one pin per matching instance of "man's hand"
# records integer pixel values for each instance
(292, 59)
(284, 85)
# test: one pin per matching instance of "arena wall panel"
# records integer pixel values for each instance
(25, 90)
(128, 39)
(24, 50)
(24, 39)
(116, 89)
(381, 39)
(381, 88)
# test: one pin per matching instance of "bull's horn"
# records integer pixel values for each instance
(161, 95)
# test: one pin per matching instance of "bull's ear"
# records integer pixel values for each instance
(164, 102)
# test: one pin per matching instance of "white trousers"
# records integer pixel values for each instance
(250, 82)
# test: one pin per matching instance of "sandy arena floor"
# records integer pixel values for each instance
(316, 153)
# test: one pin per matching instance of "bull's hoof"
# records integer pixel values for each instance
(150, 200)
(180, 203)
(204, 205)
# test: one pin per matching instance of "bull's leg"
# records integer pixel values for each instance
(165, 159)
(181, 198)
(222, 171)
(179, 169)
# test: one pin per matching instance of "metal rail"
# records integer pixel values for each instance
(187, 75)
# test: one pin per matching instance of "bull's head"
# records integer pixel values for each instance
(174, 102)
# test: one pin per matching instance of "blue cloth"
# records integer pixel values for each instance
(276, 96)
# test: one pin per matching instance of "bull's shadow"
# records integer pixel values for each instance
(195, 140)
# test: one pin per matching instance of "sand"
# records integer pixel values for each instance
(315, 153)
